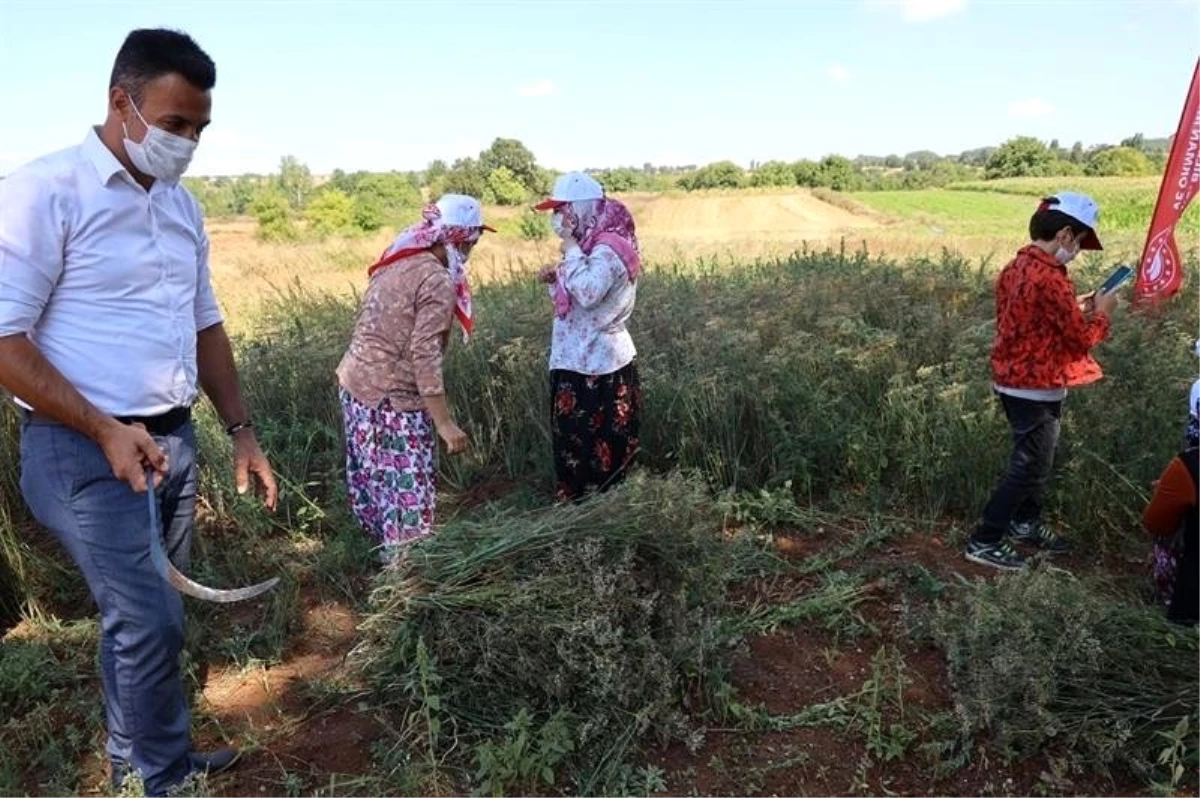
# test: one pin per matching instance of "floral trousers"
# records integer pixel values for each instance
(594, 425)
(390, 461)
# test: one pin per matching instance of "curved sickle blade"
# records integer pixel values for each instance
(158, 557)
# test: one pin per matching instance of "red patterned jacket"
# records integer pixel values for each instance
(1042, 338)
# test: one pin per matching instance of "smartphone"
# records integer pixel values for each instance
(1117, 279)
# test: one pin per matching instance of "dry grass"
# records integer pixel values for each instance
(716, 227)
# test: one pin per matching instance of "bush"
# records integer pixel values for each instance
(723, 174)
(331, 213)
(535, 226)
(505, 187)
(1118, 162)
(274, 215)
(595, 623)
(1045, 659)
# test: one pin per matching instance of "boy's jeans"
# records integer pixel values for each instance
(1018, 497)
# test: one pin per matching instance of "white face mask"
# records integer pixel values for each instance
(1064, 255)
(557, 224)
(162, 155)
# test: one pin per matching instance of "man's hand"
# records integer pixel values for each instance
(250, 462)
(130, 450)
(1087, 302)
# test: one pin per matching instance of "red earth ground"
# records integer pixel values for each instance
(299, 744)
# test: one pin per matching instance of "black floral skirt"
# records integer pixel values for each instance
(594, 423)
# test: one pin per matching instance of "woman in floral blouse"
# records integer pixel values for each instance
(392, 392)
(596, 400)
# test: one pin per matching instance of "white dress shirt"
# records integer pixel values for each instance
(109, 281)
(592, 338)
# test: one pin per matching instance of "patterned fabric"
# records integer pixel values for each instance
(1042, 338)
(604, 221)
(1164, 567)
(400, 335)
(423, 235)
(593, 337)
(390, 472)
(594, 423)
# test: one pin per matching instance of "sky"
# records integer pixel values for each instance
(394, 84)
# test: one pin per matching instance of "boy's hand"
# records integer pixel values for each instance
(1106, 303)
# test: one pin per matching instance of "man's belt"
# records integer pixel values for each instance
(160, 425)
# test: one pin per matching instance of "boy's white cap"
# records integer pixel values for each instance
(1079, 207)
(572, 187)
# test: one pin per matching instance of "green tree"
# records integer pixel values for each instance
(393, 193)
(622, 179)
(465, 177)
(435, 171)
(773, 173)
(271, 210)
(367, 215)
(516, 157)
(722, 174)
(1135, 142)
(921, 159)
(331, 213)
(893, 162)
(1119, 161)
(295, 181)
(1076, 154)
(505, 187)
(838, 173)
(806, 173)
(1023, 156)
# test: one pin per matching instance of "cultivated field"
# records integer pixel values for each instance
(775, 604)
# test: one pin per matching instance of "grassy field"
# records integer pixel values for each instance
(775, 604)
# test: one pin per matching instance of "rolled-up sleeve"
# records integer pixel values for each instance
(435, 314)
(589, 278)
(32, 239)
(208, 312)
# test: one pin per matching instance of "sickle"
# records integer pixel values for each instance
(158, 557)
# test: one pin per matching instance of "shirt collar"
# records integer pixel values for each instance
(100, 157)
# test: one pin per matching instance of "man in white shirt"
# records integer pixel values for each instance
(108, 329)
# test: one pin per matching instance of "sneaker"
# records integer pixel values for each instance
(996, 555)
(1035, 533)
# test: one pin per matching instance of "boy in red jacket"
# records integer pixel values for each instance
(1043, 336)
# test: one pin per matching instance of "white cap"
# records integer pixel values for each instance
(459, 210)
(1079, 207)
(572, 187)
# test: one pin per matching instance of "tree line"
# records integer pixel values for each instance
(292, 202)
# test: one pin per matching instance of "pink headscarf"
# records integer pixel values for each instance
(434, 229)
(604, 221)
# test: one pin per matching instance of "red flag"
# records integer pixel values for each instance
(1159, 270)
